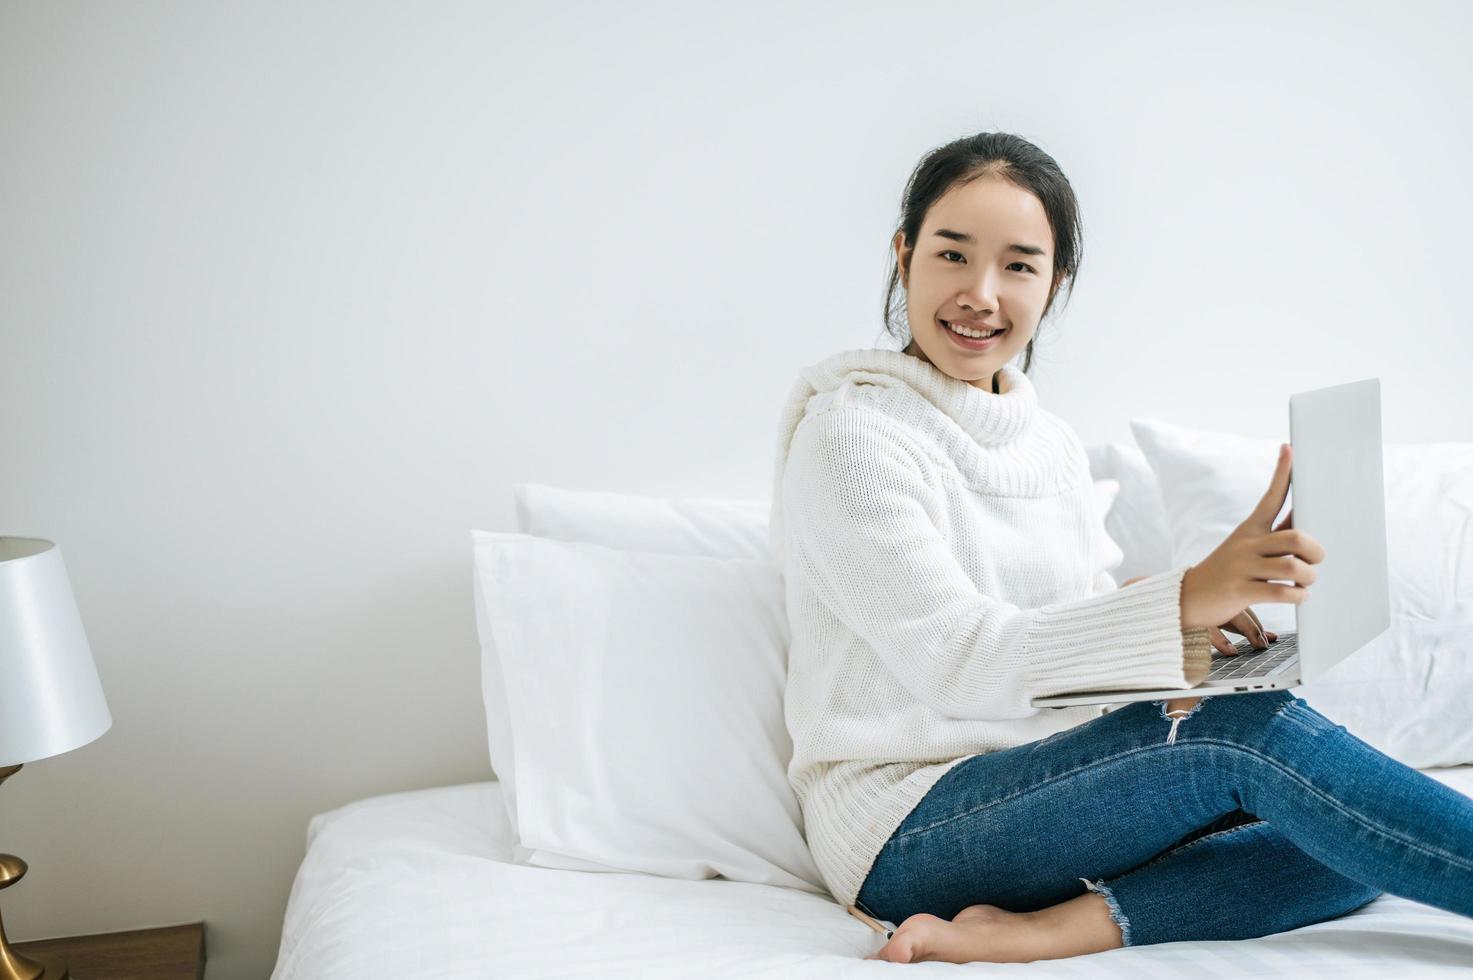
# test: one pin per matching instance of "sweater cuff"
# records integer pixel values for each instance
(1129, 639)
(1196, 655)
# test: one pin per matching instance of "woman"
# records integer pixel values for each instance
(945, 564)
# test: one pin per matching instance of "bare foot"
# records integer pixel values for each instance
(979, 933)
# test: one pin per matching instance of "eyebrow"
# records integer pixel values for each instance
(964, 238)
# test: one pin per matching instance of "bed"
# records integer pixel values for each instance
(422, 884)
(584, 858)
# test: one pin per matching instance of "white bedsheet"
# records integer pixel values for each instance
(419, 884)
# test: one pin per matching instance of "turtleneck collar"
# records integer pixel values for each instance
(989, 419)
(983, 421)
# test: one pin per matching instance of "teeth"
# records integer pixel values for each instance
(974, 334)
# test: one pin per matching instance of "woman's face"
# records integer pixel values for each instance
(984, 258)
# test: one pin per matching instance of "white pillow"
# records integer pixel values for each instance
(1406, 692)
(498, 717)
(1137, 521)
(727, 528)
(675, 526)
(646, 707)
(1106, 493)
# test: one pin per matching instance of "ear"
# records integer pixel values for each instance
(902, 256)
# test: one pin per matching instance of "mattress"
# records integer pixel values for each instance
(422, 884)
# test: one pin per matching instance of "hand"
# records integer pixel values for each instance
(1246, 624)
(1240, 624)
(1240, 571)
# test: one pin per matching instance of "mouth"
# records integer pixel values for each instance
(973, 343)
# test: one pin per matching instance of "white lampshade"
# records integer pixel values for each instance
(50, 698)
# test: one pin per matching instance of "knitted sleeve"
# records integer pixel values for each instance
(1196, 646)
(855, 508)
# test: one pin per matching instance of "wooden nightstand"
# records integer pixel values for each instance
(168, 953)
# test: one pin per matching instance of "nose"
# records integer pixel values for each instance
(981, 295)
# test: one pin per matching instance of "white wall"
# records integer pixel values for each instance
(291, 294)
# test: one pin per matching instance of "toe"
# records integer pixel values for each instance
(914, 938)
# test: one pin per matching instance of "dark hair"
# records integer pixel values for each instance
(989, 155)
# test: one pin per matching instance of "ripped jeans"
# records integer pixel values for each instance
(1250, 815)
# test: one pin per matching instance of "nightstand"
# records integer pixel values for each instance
(168, 953)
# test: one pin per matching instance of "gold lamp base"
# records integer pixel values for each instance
(51, 967)
(14, 966)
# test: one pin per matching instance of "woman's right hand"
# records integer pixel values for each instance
(1238, 573)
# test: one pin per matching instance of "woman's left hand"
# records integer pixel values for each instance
(1245, 624)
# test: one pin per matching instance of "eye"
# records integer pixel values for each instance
(1010, 265)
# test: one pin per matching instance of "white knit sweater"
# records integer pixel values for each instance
(944, 563)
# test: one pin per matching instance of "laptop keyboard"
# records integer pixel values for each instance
(1252, 662)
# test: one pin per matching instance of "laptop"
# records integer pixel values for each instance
(1339, 500)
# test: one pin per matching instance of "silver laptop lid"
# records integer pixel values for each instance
(1338, 497)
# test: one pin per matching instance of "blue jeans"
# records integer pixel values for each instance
(1259, 815)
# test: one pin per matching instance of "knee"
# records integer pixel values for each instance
(1177, 711)
(1258, 705)
(1255, 710)
(1275, 714)
(1181, 708)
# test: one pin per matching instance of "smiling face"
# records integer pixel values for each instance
(984, 259)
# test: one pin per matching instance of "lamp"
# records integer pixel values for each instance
(50, 698)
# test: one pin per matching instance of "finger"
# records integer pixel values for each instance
(1276, 590)
(1292, 544)
(1289, 568)
(1260, 636)
(1221, 642)
(1278, 490)
(1287, 522)
(1270, 635)
(1247, 627)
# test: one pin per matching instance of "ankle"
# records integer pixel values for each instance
(1008, 937)
(1075, 927)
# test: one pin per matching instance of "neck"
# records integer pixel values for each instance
(994, 386)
